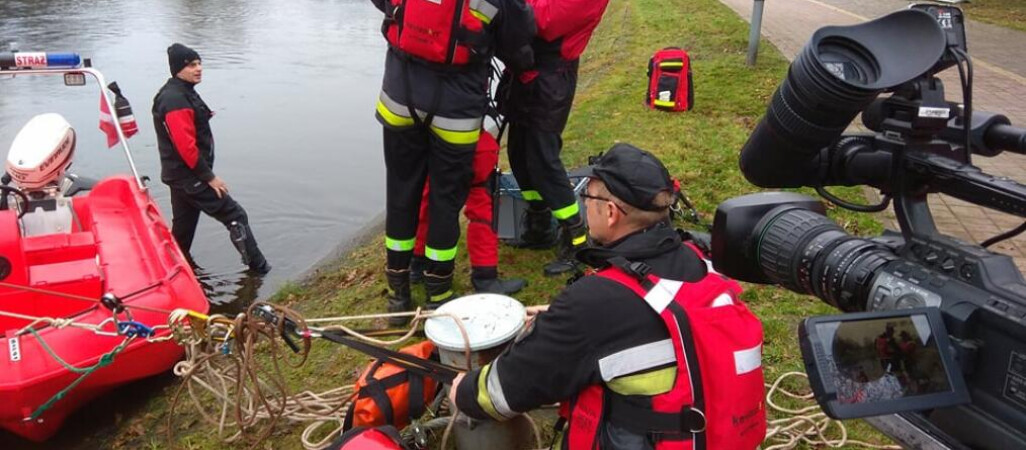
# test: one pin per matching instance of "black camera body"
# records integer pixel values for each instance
(783, 238)
(922, 144)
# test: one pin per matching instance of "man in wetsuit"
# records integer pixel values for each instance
(182, 122)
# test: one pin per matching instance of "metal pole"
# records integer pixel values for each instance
(754, 31)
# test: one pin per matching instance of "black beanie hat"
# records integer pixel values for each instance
(179, 56)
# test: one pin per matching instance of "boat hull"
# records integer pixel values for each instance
(123, 246)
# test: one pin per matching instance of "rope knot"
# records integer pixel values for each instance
(105, 360)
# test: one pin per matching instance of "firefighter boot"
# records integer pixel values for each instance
(398, 295)
(574, 236)
(417, 265)
(439, 289)
(538, 231)
(486, 280)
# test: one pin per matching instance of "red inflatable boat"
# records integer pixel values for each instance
(88, 277)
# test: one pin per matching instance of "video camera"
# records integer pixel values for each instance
(958, 308)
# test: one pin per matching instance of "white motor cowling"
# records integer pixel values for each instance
(41, 152)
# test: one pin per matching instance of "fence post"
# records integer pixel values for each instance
(754, 31)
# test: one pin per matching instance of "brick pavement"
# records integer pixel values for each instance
(999, 85)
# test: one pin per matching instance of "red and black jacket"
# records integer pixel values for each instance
(458, 91)
(542, 97)
(565, 27)
(182, 122)
(588, 321)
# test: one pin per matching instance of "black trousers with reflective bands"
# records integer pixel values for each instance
(414, 154)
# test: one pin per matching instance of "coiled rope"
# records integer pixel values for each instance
(806, 424)
(239, 393)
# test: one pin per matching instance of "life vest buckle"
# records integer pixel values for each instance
(692, 420)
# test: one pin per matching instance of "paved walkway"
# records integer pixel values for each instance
(999, 85)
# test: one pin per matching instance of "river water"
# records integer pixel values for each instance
(293, 85)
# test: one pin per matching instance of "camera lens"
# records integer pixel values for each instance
(806, 252)
(839, 72)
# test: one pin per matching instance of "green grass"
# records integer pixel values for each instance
(698, 147)
(1006, 13)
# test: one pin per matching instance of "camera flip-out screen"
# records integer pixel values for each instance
(884, 362)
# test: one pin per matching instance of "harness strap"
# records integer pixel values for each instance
(408, 87)
(416, 398)
(420, 366)
(377, 391)
(636, 269)
(642, 420)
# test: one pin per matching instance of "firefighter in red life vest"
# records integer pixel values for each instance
(619, 368)
(537, 104)
(432, 103)
(482, 242)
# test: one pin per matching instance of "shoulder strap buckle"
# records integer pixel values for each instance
(636, 269)
(639, 269)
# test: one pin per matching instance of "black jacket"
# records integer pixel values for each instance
(591, 319)
(462, 91)
(182, 122)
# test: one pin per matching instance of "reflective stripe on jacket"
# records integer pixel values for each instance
(463, 131)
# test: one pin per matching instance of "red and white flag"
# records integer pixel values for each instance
(107, 122)
(124, 114)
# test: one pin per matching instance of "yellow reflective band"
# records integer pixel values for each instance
(392, 118)
(559, 438)
(400, 245)
(442, 296)
(664, 103)
(435, 254)
(482, 394)
(480, 16)
(531, 195)
(456, 137)
(579, 240)
(567, 211)
(649, 383)
(671, 64)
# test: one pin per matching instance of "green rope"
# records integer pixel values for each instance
(53, 355)
(105, 360)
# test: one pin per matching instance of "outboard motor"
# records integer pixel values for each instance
(40, 154)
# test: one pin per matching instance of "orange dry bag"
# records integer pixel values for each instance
(392, 395)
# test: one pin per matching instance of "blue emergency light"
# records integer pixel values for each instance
(39, 60)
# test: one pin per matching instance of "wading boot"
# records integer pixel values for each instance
(260, 266)
(242, 238)
(539, 234)
(486, 280)
(439, 289)
(573, 238)
(398, 296)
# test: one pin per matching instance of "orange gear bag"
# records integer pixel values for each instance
(387, 394)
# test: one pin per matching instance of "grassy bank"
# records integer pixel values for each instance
(700, 148)
(1006, 13)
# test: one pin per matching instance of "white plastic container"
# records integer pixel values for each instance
(491, 321)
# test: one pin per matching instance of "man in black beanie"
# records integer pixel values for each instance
(182, 122)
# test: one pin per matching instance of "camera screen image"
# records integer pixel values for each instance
(883, 359)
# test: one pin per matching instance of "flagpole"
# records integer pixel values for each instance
(117, 124)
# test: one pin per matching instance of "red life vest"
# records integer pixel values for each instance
(449, 32)
(716, 401)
